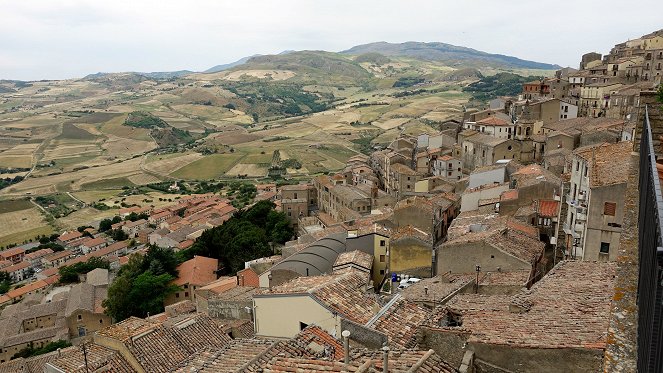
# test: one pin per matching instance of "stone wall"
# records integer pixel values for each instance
(539, 360)
(448, 344)
(367, 337)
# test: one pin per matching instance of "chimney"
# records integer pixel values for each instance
(385, 359)
(346, 347)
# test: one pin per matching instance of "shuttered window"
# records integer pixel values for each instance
(609, 208)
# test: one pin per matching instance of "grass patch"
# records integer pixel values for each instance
(69, 131)
(210, 167)
(19, 237)
(116, 127)
(114, 183)
(15, 205)
(339, 153)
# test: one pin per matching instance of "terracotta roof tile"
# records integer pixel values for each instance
(198, 271)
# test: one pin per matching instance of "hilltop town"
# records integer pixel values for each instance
(504, 238)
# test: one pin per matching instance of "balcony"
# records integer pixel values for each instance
(582, 216)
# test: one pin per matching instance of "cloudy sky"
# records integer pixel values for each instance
(47, 39)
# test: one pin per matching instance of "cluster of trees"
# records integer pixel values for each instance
(143, 119)
(5, 282)
(408, 81)
(49, 347)
(501, 84)
(7, 181)
(69, 274)
(241, 193)
(244, 237)
(106, 224)
(143, 284)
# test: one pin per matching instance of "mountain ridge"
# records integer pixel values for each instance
(438, 51)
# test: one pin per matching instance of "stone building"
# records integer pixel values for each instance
(593, 223)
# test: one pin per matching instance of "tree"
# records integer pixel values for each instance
(106, 224)
(142, 284)
(69, 274)
(49, 347)
(5, 282)
(118, 235)
(244, 237)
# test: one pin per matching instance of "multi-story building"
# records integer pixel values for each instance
(594, 98)
(448, 167)
(596, 201)
(298, 201)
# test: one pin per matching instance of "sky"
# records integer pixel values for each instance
(47, 39)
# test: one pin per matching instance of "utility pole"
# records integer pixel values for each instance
(476, 285)
(84, 347)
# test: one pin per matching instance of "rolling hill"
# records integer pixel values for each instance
(450, 54)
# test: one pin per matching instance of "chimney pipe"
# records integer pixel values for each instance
(385, 359)
(346, 347)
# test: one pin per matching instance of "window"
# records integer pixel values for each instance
(585, 171)
(383, 243)
(609, 208)
(101, 321)
(177, 295)
(186, 294)
(382, 271)
(382, 258)
(80, 317)
(605, 248)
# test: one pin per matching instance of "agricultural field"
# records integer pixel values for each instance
(20, 225)
(210, 167)
(316, 108)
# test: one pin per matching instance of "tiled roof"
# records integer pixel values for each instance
(198, 271)
(166, 346)
(548, 208)
(340, 293)
(229, 359)
(438, 288)
(403, 169)
(11, 252)
(400, 361)
(493, 121)
(568, 308)
(356, 257)
(608, 163)
(124, 330)
(86, 297)
(400, 323)
(70, 236)
(509, 195)
(38, 254)
(309, 343)
(97, 358)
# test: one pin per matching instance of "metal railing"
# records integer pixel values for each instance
(650, 246)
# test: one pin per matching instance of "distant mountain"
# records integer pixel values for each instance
(227, 66)
(311, 63)
(166, 74)
(152, 75)
(450, 54)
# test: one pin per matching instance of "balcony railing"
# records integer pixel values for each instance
(650, 246)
